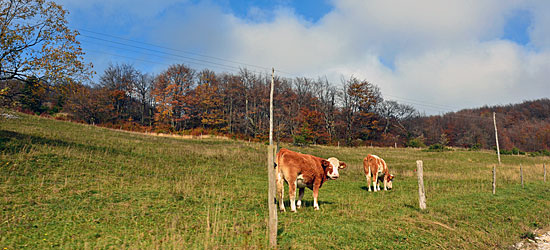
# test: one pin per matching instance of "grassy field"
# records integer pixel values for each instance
(73, 186)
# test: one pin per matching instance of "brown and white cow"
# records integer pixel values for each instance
(376, 168)
(301, 171)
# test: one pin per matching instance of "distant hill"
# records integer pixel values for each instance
(524, 126)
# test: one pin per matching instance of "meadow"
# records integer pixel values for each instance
(74, 186)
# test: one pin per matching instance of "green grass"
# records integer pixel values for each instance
(73, 186)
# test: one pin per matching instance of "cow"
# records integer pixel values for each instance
(301, 171)
(376, 168)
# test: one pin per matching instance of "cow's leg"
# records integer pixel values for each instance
(300, 196)
(292, 194)
(385, 183)
(375, 182)
(368, 180)
(316, 186)
(280, 191)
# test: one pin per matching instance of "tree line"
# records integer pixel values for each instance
(182, 100)
(521, 127)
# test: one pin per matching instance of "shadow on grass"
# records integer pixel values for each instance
(381, 190)
(14, 142)
(411, 206)
(305, 203)
(280, 231)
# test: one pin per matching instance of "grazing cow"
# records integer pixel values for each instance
(376, 168)
(301, 171)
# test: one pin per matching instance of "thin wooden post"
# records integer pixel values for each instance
(494, 179)
(421, 192)
(498, 153)
(272, 224)
(496, 136)
(521, 174)
(544, 166)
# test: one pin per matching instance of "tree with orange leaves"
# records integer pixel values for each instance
(36, 42)
(360, 101)
(171, 92)
(210, 101)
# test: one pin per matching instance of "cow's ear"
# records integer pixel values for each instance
(325, 164)
(342, 165)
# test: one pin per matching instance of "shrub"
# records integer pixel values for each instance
(516, 151)
(300, 140)
(437, 148)
(475, 147)
(505, 152)
(542, 152)
(415, 143)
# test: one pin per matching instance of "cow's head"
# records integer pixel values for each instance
(389, 181)
(331, 166)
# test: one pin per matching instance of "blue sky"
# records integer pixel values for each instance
(517, 26)
(310, 10)
(437, 55)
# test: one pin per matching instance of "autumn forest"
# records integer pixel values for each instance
(307, 111)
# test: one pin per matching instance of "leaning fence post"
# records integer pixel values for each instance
(494, 179)
(521, 174)
(421, 192)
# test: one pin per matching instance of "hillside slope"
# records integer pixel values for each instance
(75, 186)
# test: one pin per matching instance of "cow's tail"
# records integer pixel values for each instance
(370, 172)
(279, 177)
(276, 162)
(366, 166)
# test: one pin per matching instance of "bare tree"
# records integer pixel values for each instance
(394, 113)
(119, 80)
(142, 90)
(326, 94)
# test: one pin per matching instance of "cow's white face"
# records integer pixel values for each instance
(332, 169)
(389, 182)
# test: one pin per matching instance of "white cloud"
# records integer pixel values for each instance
(488, 72)
(540, 37)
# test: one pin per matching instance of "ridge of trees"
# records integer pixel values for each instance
(524, 126)
(307, 111)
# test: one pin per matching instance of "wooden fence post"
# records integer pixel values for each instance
(496, 136)
(544, 166)
(421, 192)
(521, 174)
(494, 179)
(272, 224)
